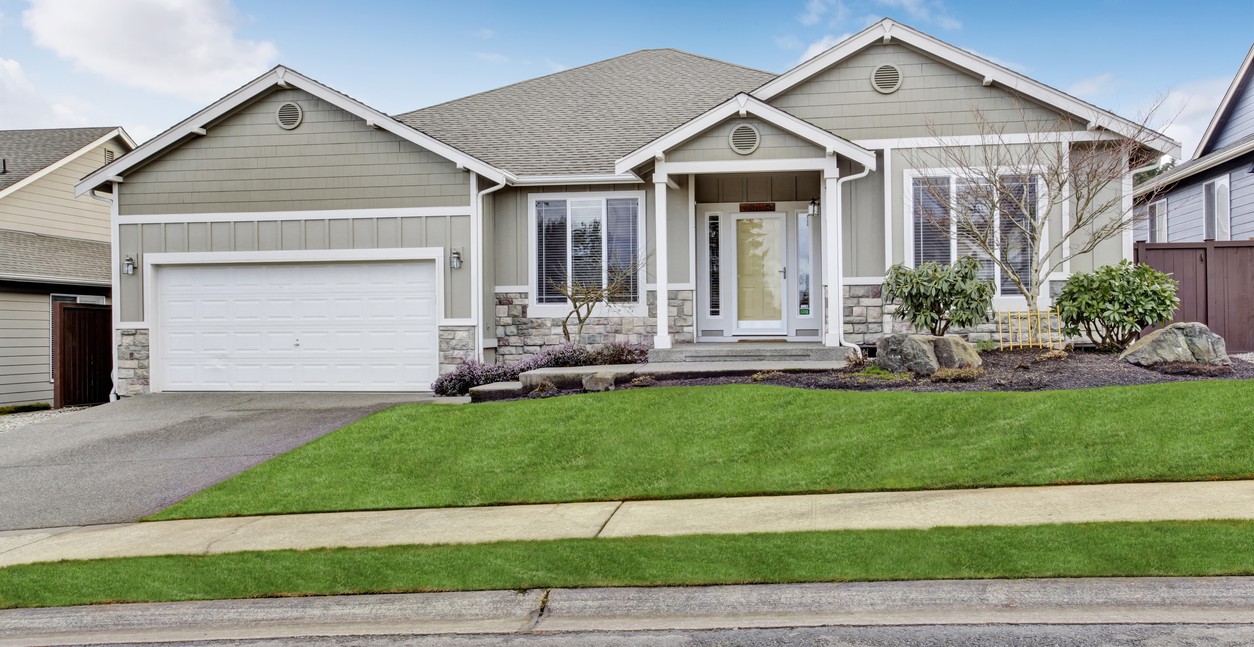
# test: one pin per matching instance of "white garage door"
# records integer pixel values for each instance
(343, 326)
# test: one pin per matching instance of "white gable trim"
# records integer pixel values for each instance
(888, 30)
(1212, 130)
(743, 104)
(34, 177)
(197, 124)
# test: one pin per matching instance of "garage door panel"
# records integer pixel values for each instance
(302, 326)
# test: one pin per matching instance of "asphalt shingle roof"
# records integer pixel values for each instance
(579, 121)
(26, 152)
(32, 256)
(1188, 168)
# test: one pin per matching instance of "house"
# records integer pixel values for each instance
(53, 248)
(1211, 196)
(289, 237)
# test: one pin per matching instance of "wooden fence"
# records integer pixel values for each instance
(1216, 285)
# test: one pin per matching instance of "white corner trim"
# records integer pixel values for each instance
(283, 77)
(317, 214)
(41, 173)
(741, 105)
(987, 71)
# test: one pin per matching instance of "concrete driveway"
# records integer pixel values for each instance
(124, 460)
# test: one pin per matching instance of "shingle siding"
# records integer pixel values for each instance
(333, 160)
(774, 143)
(1240, 119)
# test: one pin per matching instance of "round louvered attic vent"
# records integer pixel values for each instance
(289, 115)
(886, 78)
(744, 139)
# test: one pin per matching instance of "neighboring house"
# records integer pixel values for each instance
(1209, 197)
(53, 247)
(289, 237)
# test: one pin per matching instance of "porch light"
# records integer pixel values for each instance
(128, 265)
(814, 207)
(455, 259)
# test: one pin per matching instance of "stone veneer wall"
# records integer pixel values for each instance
(457, 345)
(520, 336)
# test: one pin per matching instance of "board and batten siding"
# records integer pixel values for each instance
(510, 240)
(1240, 119)
(313, 234)
(774, 143)
(842, 100)
(332, 160)
(47, 206)
(25, 348)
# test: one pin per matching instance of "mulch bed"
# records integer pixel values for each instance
(1010, 370)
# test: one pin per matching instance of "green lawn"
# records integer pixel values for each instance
(1114, 549)
(749, 439)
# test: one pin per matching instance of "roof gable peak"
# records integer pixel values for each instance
(1242, 79)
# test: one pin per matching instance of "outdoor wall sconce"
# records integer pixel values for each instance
(455, 259)
(814, 207)
(128, 265)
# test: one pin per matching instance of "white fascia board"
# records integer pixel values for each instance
(54, 280)
(558, 180)
(984, 69)
(1171, 177)
(116, 132)
(282, 77)
(270, 216)
(749, 105)
(748, 166)
(1213, 127)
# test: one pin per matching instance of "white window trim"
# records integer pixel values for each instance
(999, 299)
(637, 309)
(1212, 219)
(1156, 214)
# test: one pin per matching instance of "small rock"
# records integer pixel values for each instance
(953, 351)
(902, 352)
(597, 382)
(1189, 342)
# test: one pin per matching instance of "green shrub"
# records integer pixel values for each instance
(1112, 304)
(877, 372)
(933, 297)
(986, 345)
(24, 408)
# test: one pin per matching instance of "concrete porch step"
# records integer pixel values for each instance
(750, 352)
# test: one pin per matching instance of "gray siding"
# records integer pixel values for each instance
(775, 143)
(758, 187)
(246, 235)
(24, 349)
(1184, 214)
(333, 160)
(48, 206)
(1240, 120)
(842, 100)
(1241, 183)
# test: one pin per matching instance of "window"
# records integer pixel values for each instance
(936, 237)
(1156, 218)
(1215, 210)
(715, 292)
(585, 239)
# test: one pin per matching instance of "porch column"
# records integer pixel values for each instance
(663, 337)
(830, 206)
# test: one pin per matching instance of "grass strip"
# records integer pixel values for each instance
(1071, 550)
(740, 440)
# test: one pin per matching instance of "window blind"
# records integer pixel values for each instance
(551, 250)
(931, 220)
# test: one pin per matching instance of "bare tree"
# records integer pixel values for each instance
(1006, 200)
(585, 290)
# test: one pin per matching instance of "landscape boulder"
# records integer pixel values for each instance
(924, 354)
(1191, 343)
(600, 381)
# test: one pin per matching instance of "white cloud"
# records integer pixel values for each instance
(821, 45)
(185, 48)
(815, 10)
(929, 11)
(1187, 110)
(22, 105)
(1094, 87)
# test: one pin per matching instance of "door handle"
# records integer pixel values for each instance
(784, 271)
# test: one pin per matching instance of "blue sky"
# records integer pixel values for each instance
(146, 64)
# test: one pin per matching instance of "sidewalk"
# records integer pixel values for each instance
(888, 510)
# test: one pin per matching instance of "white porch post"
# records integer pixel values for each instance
(832, 256)
(663, 337)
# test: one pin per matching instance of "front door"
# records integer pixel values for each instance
(761, 254)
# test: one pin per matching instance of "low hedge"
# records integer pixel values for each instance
(472, 373)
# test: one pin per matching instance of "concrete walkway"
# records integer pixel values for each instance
(888, 510)
(553, 612)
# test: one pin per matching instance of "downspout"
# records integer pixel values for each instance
(479, 263)
(838, 257)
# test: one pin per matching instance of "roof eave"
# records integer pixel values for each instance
(1171, 177)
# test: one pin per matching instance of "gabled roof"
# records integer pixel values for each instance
(282, 77)
(1221, 113)
(888, 30)
(29, 154)
(1241, 148)
(52, 259)
(579, 121)
(742, 104)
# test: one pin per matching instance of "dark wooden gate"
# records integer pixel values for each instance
(82, 354)
(1216, 285)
